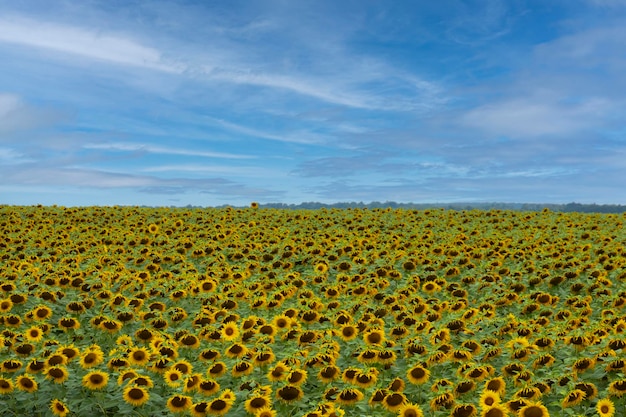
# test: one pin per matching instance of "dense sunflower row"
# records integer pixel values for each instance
(261, 312)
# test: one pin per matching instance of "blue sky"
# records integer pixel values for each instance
(122, 102)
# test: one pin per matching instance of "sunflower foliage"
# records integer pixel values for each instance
(109, 311)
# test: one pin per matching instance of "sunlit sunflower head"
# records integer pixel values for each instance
(216, 407)
(57, 374)
(173, 377)
(138, 356)
(256, 403)
(605, 408)
(229, 331)
(533, 410)
(418, 374)
(59, 408)
(489, 398)
(26, 383)
(410, 410)
(497, 410)
(397, 385)
(374, 336)
(95, 380)
(6, 385)
(136, 395)
(278, 373)
(34, 334)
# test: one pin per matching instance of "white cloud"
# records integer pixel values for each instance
(83, 42)
(533, 117)
(134, 147)
(16, 115)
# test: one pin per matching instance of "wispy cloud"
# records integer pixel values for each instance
(148, 148)
(83, 42)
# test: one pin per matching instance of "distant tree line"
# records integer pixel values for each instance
(570, 207)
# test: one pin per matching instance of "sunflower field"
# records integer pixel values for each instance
(129, 311)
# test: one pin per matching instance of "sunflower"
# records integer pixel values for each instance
(190, 341)
(528, 393)
(59, 408)
(374, 337)
(445, 400)
(6, 305)
(349, 396)
(57, 374)
(618, 388)
(329, 373)
(464, 410)
(289, 393)
(208, 387)
(366, 379)
(265, 412)
(497, 385)
(218, 407)
(34, 334)
(135, 395)
(394, 401)
(96, 380)
(242, 368)
(348, 332)
(26, 383)
(183, 366)
(264, 357)
(24, 349)
(35, 366)
(397, 385)
(533, 410)
(489, 398)
(605, 408)
(42, 312)
(229, 331)
(138, 356)
(173, 377)
(410, 410)
(56, 359)
(191, 382)
(583, 364)
(126, 376)
(256, 403)
(418, 374)
(236, 350)
(297, 377)
(464, 387)
(209, 355)
(217, 369)
(178, 403)
(494, 411)
(589, 388)
(68, 323)
(6, 385)
(278, 373)
(200, 409)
